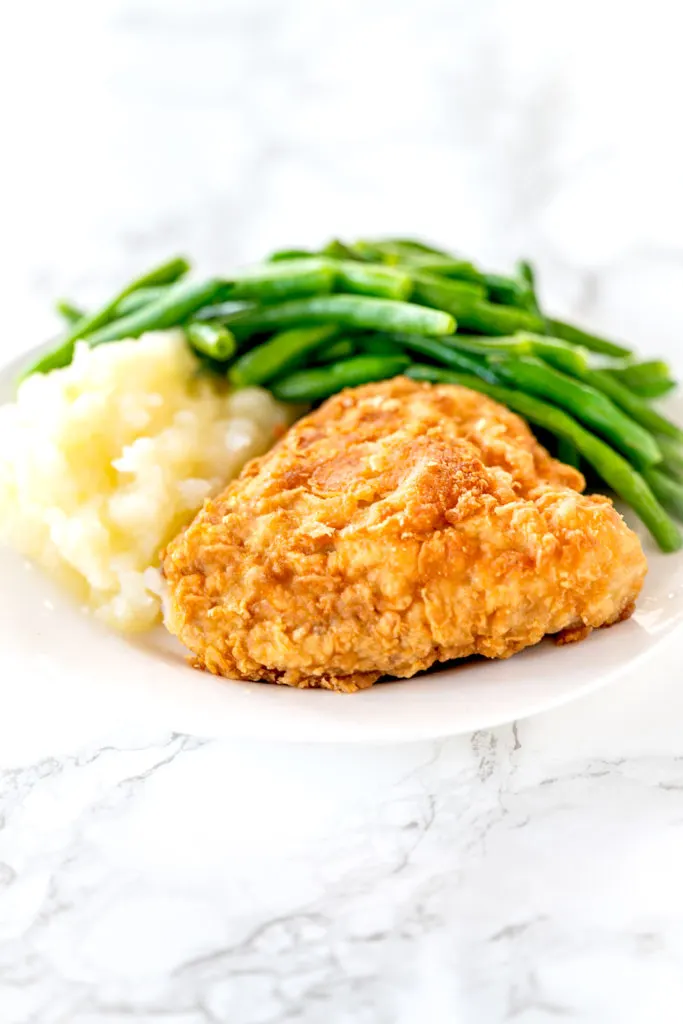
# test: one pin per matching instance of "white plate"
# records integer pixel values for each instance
(55, 660)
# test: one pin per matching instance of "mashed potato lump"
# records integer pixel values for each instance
(103, 462)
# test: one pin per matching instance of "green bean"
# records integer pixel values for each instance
(571, 359)
(557, 353)
(574, 335)
(667, 491)
(70, 313)
(289, 254)
(211, 339)
(340, 251)
(346, 311)
(412, 260)
(487, 318)
(673, 457)
(588, 405)
(501, 289)
(612, 467)
(527, 275)
(567, 453)
(283, 279)
(444, 353)
(136, 300)
(637, 408)
(410, 245)
(222, 310)
(445, 266)
(454, 297)
(320, 382)
(174, 308)
(379, 345)
(62, 355)
(373, 253)
(372, 279)
(508, 291)
(654, 389)
(344, 348)
(650, 379)
(279, 354)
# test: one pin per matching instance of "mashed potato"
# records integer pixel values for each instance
(102, 463)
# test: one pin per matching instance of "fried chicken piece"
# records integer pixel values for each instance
(399, 525)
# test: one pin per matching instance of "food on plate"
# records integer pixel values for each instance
(103, 461)
(153, 401)
(307, 324)
(399, 525)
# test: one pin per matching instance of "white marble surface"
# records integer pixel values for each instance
(528, 874)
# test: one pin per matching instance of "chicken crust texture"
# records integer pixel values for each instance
(399, 525)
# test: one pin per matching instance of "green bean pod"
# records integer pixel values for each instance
(372, 279)
(588, 405)
(340, 251)
(137, 299)
(508, 291)
(487, 318)
(673, 457)
(612, 467)
(408, 245)
(593, 342)
(454, 297)
(211, 339)
(667, 491)
(289, 254)
(444, 266)
(527, 275)
(282, 279)
(335, 352)
(448, 355)
(279, 354)
(62, 355)
(69, 312)
(345, 311)
(379, 344)
(559, 354)
(174, 308)
(567, 453)
(649, 379)
(321, 382)
(637, 408)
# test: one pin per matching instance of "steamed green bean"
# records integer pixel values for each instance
(166, 273)
(574, 335)
(637, 408)
(279, 354)
(585, 403)
(137, 299)
(649, 379)
(321, 382)
(282, 279)
(345, 311)
(69, 312)
(372, 279)
(172, 309)
(211, 339)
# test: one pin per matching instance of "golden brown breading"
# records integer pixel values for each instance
(398, 525)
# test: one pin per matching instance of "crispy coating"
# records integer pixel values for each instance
(399, 525)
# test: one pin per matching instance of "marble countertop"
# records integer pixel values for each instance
(526, 874)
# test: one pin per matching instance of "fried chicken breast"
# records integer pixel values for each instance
(399, 525)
